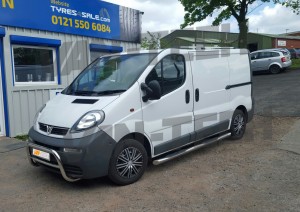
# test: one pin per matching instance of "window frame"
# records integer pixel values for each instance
(161, 62)
(55, 57)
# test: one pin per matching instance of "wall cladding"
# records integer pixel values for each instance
(130, 24)
(24, 101)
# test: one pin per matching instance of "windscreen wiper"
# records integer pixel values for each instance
(108, 92)
(84, 93)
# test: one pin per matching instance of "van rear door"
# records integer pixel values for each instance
(211, 100)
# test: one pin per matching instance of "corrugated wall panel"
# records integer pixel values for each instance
(24, 107)
(63, 67)
(33, 107)
(25, 119)
(15, 114)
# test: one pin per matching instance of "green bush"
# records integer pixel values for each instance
(22, 137)
(295, 64)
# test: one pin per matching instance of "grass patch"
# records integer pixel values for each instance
(22, 137)
(295, 64)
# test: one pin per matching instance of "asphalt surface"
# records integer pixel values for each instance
(260, 172)
(277, 95)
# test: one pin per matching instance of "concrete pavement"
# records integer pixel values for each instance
(291, 141)
(10, 144)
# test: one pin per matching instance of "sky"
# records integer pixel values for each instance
(168, 15)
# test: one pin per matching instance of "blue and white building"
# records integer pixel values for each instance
(45, 44)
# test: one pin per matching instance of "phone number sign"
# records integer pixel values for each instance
(87, 18)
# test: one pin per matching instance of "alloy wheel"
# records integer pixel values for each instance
(129, 162)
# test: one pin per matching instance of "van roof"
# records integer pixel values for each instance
(186, 51)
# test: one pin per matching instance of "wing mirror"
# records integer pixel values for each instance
(152, 90)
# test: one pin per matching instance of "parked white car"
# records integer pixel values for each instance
(272, 61)
(127, 109)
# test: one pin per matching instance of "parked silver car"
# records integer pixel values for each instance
(273, 61)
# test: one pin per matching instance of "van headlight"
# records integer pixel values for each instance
(89, 120)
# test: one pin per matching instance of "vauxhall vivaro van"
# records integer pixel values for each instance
(126, 110)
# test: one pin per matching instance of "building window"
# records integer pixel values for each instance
(34, 65)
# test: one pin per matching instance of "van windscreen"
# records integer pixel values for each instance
(109, 75)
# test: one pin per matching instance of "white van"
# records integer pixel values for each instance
(128, 109)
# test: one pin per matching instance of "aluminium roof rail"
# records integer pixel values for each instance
(202, 48)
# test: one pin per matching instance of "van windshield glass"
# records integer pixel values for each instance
(109, 75)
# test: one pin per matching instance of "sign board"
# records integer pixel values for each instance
(281, 43)
(91, 18)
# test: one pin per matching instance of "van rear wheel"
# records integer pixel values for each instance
(238, 125)
(128, 162)
(274, 69)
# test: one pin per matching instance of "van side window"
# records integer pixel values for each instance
(170, 73)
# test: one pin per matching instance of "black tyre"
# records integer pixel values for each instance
(238, 125)
(274, 69)
(128, 162)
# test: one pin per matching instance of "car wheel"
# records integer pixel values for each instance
(128, 162)
(274, 69)
(238, 125)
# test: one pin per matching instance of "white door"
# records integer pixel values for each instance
(211, 105)
(169, 120)
(2, 128)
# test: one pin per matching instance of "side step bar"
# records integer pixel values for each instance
(191, 149)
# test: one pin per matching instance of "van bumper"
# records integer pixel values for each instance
(75, 159)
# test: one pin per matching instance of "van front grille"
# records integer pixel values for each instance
(53, 129)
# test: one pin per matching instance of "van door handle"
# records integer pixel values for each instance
(197, 95)
(187, 96)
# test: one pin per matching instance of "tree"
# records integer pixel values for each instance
(198, 10)
(152, 43)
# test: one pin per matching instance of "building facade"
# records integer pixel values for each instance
(199, 38)
(257, 41)
(44, 45)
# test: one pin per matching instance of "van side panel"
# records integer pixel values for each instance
(210, 76)
(240, 80)
(124, 115)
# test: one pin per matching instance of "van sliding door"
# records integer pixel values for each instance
(211, 106)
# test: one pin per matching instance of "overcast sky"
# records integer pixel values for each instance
(168, 14)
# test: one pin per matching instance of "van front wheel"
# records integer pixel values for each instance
(238, 125)
(128, 162)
